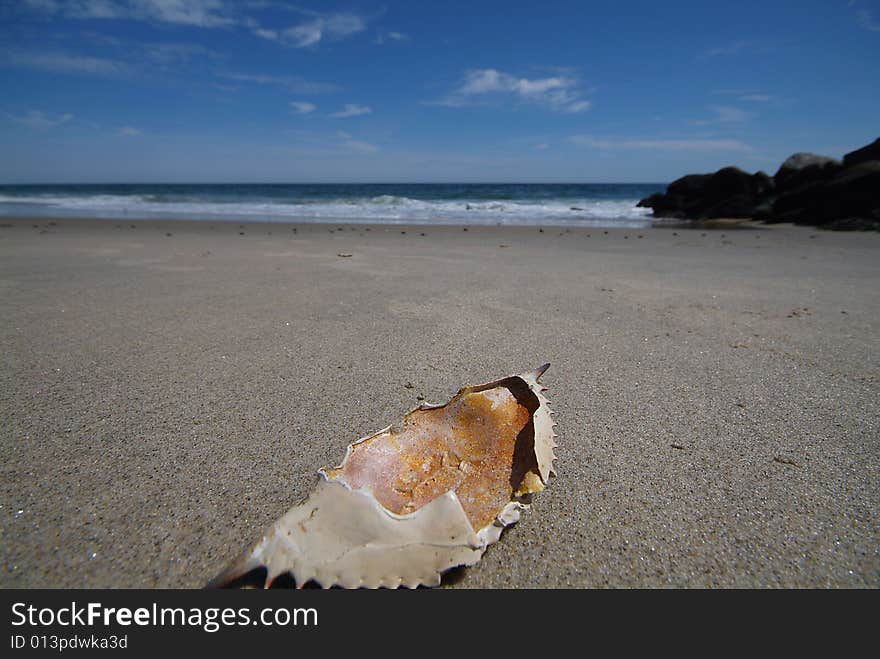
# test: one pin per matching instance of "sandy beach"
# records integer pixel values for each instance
(168, 389)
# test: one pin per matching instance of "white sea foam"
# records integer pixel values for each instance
(380, 209)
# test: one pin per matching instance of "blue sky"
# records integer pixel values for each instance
(270, 91)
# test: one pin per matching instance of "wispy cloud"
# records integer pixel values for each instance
(302, 107)
(37, 120)
(352, 110)
(61, 62)
(167, 54)
(340, 143)
(559, 93)
(294, 84)
(319, 27)
(866, 21)
(725, 114)
(41, 5)
(659, 144)
(358, 146)
(128, 131)
(748, 95)
(734, 48)
(200, 13)
(197, 13)
(387, 37)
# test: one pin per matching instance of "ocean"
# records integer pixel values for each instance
(586, 204)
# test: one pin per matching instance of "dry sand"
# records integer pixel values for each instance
(164, 397)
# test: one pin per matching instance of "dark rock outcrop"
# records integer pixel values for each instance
(804, 169)
(807, 189)
(866, 153)
(849, 199)
(729, 192)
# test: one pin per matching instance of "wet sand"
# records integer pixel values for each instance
(164, 398)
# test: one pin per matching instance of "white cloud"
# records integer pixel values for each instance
(578, 106)
(358, 146)
(352, 110)
(866, 21)
(302, 107)
(96, 9)
(60, 62)
(340, 143)
(542, 146)
(37, 120)
(295, 84)
(271, 35)
(197, 13)
(659, 144)
(128, 131)
(42, 5)
(175, 53)
(725, 114)
(200, 13)
(732, 49)
(317, 28)
(756, 98)
(559, 93)
(384, 37)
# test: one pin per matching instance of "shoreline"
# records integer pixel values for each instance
(51, 221)
(167, 397)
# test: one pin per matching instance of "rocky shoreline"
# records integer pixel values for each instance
(807, 189)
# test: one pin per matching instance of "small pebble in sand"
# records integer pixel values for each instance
(422, 234)
(241, 233)
(641, 236)
(540, 230)
(465, 229)
(605, 232)
(403, 233)
(344, 256)
(168, 235)
(675, 233)
(626, 237)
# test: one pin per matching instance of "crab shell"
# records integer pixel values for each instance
(412, 501)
